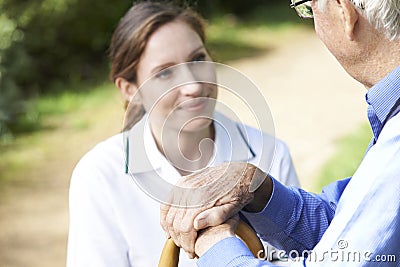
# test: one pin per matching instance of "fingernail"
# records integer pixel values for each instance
(200, 223)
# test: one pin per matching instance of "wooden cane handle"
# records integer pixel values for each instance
(170, 253)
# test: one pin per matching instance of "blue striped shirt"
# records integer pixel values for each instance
(381, 99)
(353, 222)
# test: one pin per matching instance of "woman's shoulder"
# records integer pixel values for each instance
(270, 153)
(113, 144)
(255, 136)
(281, 165)
(103, 155)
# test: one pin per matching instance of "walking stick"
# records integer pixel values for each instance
(170, 253)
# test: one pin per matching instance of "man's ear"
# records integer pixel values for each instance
(127, 89)
(350, 17)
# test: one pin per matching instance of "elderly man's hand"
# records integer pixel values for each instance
(210, 236)
(219, 193)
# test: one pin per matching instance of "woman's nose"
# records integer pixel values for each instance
(191, 88)
(191, 85)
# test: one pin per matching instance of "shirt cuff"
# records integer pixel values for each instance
(218, 255)
(276, 214)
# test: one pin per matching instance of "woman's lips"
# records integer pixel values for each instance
(195, 104)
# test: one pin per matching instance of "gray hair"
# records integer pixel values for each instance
(384, 15)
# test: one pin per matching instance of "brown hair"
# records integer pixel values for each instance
(130, 39)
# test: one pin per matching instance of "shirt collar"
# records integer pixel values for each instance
(382, 97)
(231, 139)
(142, 155)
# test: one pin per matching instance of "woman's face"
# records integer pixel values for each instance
(171, 95)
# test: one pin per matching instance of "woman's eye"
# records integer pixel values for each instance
(200, 57)
(163, 74)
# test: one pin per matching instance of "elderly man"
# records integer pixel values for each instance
(355, 221)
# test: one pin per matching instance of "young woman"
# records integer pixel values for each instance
(113, 221)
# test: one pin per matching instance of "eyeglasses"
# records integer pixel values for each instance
(303, 8)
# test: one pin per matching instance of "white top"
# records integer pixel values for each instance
(113, 222)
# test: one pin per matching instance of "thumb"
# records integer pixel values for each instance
(214, 216)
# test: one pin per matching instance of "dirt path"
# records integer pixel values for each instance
(313, 103)
(312, 99)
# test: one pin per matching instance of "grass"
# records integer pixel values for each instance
(42, 113)
(51, 116)
(231, 37)
(350, 151)
(230, 40)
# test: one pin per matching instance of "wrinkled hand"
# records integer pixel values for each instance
(217, 194)
(210, 236)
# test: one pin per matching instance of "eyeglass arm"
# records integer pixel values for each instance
(292, 5)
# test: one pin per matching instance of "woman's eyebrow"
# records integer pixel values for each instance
(195, 51)
(169, 64)
(161, 67)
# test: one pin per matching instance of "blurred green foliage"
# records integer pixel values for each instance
(344, 163)
(47, 45)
